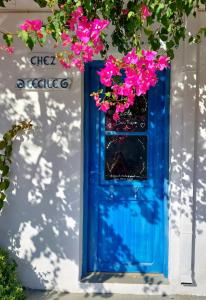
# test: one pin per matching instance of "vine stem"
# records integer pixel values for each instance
(4, 32)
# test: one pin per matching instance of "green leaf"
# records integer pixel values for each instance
(4, 185)
(8, 38)
(1, 202)
(155, 43)
(117, 79)
(160, 7)
(170, 53)
(5, 170)
(163, 37)
(88, 5)
(41, 3)
(179, 4)
(2, 145)
(165, 21)
(130, 14)
(170, 44)
(27, 39)
(30, 43)
(8, 151)
(2, 196)
(2, 3)
(23, 35)
(7, 136)
(164, 30)
(148, 31)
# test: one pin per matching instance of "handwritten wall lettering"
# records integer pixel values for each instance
(47, 60)
(42, 82)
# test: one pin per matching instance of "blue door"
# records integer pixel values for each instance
(125, 182)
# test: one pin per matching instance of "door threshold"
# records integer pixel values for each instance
(131, 278)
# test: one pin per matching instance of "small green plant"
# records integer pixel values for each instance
(6, 146)
(10, 288)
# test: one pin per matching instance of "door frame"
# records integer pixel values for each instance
(85, 137)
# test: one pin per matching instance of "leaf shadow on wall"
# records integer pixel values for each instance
(40, 224)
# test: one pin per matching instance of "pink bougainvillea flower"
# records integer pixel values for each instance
(9, 50)
(163, 62)
(78, 63)
(145, 12)
(107, 73)
(66, 39)
(71, 24)
(96, 97)
(65, 64)
(105, 77)
(120, 108)
(105, 106)
(31, 25)
(121, 90)
(115, 116)
(98, 47)
(25, 26)
(77, 48)
(140, 74)
(111, 60)
(84, 41)
(83, 35)
(149, 55)
(97, 27)
(131, 57)
(76, 14)
(83, 31)
(88, 53)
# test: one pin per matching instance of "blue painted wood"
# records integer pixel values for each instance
(125, 222)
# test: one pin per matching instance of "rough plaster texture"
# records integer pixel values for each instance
(41, 224)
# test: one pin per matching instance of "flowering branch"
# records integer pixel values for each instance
(77, 28)
(127, 78)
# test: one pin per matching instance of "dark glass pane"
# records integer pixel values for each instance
(125, 157)
(133, 119)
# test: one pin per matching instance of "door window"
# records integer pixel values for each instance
(125, 154)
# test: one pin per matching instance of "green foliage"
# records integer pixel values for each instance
(6, 145)
(8, 38)
(10, 288)
(41, 3)
(3, 2)
(28, 39)
(165, 26)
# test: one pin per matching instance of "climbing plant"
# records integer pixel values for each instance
(146, 32)
(6, 146)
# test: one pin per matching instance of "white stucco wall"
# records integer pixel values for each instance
(41, 223)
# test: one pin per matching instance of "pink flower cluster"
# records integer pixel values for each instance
(9, 50)
(136, 74)
(84, 42)
(145, 13)
(31, 25)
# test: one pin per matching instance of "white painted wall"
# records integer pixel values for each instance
(41, 223)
